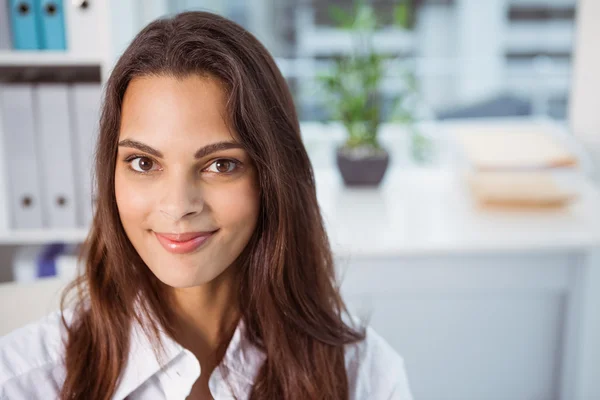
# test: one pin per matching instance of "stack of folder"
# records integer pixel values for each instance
(48, 132)
(517, 167)
(49, 25)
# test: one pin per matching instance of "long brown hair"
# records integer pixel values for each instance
(289, 299)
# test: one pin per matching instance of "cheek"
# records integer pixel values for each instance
(236, 206)
(133, 201)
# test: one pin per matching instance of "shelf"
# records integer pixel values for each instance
(317, 41)
(48, 66)
(552, 37)
(543, 3)
(44, 58)
(42, 236)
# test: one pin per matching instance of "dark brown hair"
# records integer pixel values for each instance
(289, 300)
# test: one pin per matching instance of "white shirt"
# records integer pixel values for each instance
(31, 367)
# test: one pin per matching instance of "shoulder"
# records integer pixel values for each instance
(31, 358)
(375, 370)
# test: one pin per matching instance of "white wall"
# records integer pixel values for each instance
(585, 109)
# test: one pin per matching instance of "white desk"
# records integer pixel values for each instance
(420, 211)
(482, 304)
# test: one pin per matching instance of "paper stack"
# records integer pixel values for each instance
(517, 167)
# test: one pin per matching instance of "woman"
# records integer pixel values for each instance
(208, 271)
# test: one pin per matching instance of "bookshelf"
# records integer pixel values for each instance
(75, 65)
(10, 237)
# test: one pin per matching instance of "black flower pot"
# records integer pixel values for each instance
(362, 167)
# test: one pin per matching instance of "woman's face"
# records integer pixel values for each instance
(186, 191)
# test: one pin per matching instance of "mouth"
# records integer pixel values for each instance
(182, 243)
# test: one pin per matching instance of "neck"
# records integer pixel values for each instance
(206, 317)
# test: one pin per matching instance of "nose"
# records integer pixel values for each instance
(180, 198)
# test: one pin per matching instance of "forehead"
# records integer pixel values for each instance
(165, 107)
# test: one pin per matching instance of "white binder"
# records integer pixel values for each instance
(68, 263)
(82, 22)
(56, 155)
(21, 163)
(5, 41)
(25, 263)
(84, 105)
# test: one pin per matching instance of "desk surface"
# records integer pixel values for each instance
(429, 211)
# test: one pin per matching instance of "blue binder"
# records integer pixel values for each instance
(24, 27)
(51, 24)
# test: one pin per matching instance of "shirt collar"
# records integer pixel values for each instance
(242, 359)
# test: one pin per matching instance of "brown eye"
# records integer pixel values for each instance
(222, 166)
(142, 164)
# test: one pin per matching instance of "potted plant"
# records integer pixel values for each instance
(353, 93)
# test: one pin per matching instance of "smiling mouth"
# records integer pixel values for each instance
(182, 243)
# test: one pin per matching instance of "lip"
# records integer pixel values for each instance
(182, 243)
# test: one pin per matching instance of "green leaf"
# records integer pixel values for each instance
(366, 20)
(353, 85)
(341, 17)
(402, 15)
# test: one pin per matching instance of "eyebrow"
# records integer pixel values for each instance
(200, 153)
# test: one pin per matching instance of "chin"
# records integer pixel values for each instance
(181, 282)
(179, 274)
(177, 282)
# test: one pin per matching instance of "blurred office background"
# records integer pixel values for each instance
(472, 58)
(486, 282)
